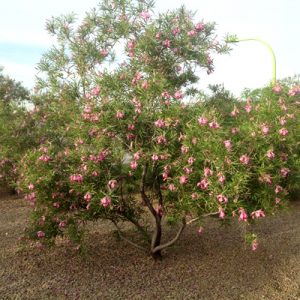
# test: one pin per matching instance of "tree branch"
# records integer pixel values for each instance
(205, 215)
(143, 193)
(170, 243)
(159, 193)
(127, 240)
(139, 228)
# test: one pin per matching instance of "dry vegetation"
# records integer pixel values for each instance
(215, 265)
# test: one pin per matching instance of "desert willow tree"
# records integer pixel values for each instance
(128, 71)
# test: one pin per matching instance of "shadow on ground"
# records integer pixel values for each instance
(215, 265)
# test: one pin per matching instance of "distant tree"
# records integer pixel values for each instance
(11, 90)
(16, 133)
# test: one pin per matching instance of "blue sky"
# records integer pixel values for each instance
(23, 38)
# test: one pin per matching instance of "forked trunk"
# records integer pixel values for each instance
(156, 239)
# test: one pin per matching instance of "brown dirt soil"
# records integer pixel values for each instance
(215, 265)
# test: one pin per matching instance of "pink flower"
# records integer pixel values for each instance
(187, 170)
(192, 33)
(163, 156)
(282, 121)
(44, 158)
(222, 199)
(155, 157)
(283, 131)
(172, 187)
(228, 145)
(202, 121)
(284, 107)
(79, 142)
(176, 30)
(278, 189)
(284, 172)
(270, 154)
(199, 26)
(277, 89)
(40, 234)
(76, 178)
(178, 95)
(295, 90)
(235, 112)
(214, 125)
(165, 176)
(145, 85)
(258, 214)
(136, 156)
(161, 140)
(191, 160)
(209, 60)
(120, 115)
(234, 130)
(183, 179)
(95, 173)
(243, 215)
(88, 95)
(44, 149)
(165, 95)
(131, 127)
(112, 184)
(104, 52)
(105, 201)
(167, 168)
(167, 43)
(62, 224)
(248, 107)
(131, 45)
(42, 221)
(87, 197)
(96, 91)
(254, 245)
(208, 172)
(56, 204)
(130, 136)
(133, 165)
(137, 77)
(221, 213)
(160, 123)
(31, 198)
(277, 200)
(184, 149)
(159, 210)
(145, 15)
(221, 178)
(284, 156)
(266, 178)
(265, 129)
(244, 159)
(194, 196)
(203, 184)
(200, 230)
(30, 186)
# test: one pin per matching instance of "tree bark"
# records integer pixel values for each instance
(156, 237)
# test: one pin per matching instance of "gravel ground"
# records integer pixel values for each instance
(215, 265)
